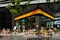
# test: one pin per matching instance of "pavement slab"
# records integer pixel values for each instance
(27, 37)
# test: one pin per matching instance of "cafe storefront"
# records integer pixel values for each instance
(32, 20)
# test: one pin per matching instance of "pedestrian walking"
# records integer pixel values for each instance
(14, 29)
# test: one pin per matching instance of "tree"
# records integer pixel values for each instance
(17, 8)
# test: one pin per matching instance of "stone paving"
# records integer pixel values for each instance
(27, 37)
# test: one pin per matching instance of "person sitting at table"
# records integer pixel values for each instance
(4, 31)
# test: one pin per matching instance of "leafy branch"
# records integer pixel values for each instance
(17, 8)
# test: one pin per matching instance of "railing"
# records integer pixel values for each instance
(4, 2)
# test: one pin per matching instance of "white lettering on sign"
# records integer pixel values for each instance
(56, 22)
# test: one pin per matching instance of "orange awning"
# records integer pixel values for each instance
(37, 11)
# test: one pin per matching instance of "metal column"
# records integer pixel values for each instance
(13, 22)
(38, 23)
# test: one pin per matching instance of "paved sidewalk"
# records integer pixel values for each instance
(22, 36)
